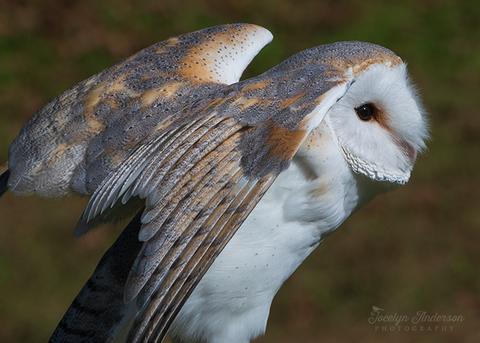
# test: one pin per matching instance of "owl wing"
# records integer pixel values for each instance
(201, 172)
(77, 139)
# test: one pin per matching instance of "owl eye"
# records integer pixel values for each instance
(365, 112)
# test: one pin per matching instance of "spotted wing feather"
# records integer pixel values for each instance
(73, 143)
(188, 268)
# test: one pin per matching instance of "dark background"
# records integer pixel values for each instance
(415, 249)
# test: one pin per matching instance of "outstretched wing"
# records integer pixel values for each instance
(201, 171)
(74, 142)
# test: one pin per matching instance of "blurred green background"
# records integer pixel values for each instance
(415, 249)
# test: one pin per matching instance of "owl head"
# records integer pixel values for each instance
(379, 125)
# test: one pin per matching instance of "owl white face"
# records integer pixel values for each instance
(379, 124)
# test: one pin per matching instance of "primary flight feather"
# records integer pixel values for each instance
(234, 182)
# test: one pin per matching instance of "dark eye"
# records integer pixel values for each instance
(365, 112)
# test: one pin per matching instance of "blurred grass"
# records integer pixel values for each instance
(408, 251)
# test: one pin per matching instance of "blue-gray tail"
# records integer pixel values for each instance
(99, 312)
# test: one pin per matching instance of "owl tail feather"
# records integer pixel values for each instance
(98, 312)
(4, 174)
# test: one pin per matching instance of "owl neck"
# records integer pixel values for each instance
(327, 191)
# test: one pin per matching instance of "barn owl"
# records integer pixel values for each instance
(231, 184)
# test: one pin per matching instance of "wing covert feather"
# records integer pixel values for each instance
(73, 143)
(279, 117)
